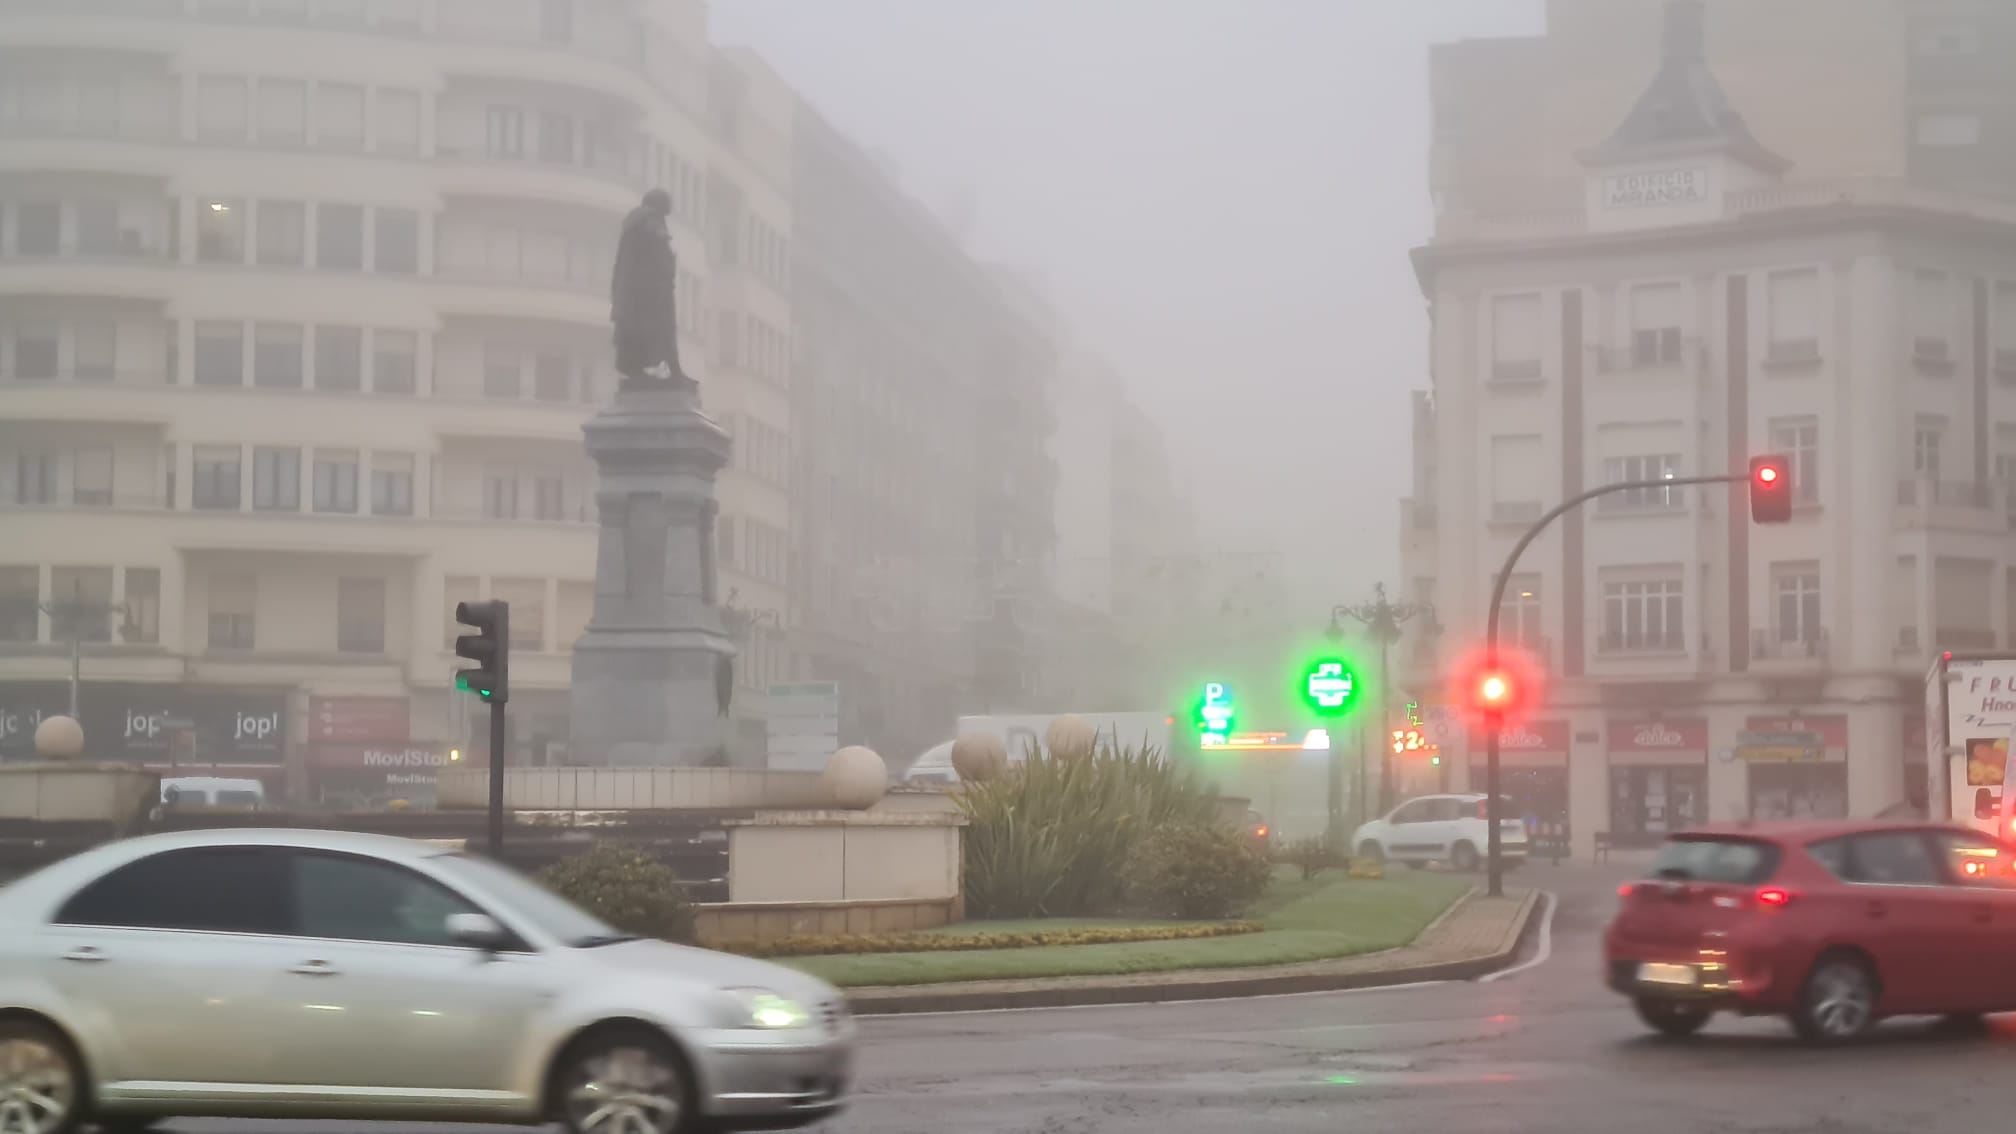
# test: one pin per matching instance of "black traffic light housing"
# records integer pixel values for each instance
(1770, 490)
(489, 648)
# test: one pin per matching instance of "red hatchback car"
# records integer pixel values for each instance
(1834, 924)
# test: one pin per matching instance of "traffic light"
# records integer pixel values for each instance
(1770, 490)
(489, 648)
(1495, 691)
(1498, 687)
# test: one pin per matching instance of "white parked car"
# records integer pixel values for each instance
(1441, 828)
(308, 974)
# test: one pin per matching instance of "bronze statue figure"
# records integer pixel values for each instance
(641, 297)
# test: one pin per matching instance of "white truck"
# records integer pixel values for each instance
(1970, 710)
(1023, 733)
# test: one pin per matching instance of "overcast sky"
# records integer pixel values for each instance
(1219, 195)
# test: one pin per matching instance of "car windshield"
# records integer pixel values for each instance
(533, 904)
(1739, 861)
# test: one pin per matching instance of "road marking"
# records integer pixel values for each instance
(1542, 950)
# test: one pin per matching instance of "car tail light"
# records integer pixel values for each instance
(1260, 832)
(1771, 897)
(1624, 891)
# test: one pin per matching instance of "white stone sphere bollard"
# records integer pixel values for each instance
(1070, 738)
(59, 738)
(979, 757)
(856, 777)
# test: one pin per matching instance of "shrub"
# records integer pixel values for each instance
(1311, 856)
(1051, 838)
(1197, 870)
(812, 945)
(626, 888)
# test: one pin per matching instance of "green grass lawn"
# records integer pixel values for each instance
(1326, 917)
(1050, 925)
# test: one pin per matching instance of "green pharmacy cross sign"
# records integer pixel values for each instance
(1330, 687)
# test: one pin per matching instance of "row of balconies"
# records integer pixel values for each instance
(1782, 649)
(1666, 349)
(1921, 503)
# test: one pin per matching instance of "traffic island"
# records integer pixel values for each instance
(1333, 934)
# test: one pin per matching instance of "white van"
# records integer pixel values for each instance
(213, 791)
(1124, 731)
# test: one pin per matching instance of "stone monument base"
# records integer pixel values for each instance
(648, 671)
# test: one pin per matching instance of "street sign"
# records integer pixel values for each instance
(1329, 687)
(803, 725)
(1216, 714)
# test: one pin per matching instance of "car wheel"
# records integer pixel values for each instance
(1838, 1000)
(628, 1081)
(1671, 1017)
(41, 1080)
(1463, 857)
(1369, 850)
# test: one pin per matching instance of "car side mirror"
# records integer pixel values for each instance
(478, 931)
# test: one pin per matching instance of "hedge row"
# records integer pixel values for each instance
(815, 945)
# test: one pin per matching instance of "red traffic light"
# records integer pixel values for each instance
(1770, 490)
(1498, 688)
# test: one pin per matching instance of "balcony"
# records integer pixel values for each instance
(1971, 506)
(1790, 645)
(1964, 638)
(1641, 644)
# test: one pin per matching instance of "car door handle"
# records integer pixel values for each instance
(85, 953)
(314, 968)
(1878, 909)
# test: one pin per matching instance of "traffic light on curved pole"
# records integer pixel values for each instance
(1499, 689)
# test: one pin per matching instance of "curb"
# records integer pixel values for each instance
(1198, 984)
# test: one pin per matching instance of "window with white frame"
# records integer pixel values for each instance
(1795, 595)
(397, 121)
(1798, 440)
(339, 116)
(1794, 315)
(1644, 615)
(1928, 441)
(1515, 337)
(1945, 129)
(1661, 466)
(1519, 614)
(283, 112)
(1518, 475)
(1655, 324)
(1931, 315)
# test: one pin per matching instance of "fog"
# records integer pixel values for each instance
(1217, 195)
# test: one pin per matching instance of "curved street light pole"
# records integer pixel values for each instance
(1494, 722)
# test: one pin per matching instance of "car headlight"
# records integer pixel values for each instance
(762, 1008)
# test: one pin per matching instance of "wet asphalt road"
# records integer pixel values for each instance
(1545, 1049)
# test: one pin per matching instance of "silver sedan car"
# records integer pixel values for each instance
(309, 974)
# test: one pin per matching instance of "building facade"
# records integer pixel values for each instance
(1885, 89)
(927, 484)
(302, 307)
(1702, 300)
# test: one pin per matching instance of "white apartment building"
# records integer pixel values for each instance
(1704, 304)
(302, 307)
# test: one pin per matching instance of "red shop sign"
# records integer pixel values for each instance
(1688, 734)
(1525, 736)
(358, 718)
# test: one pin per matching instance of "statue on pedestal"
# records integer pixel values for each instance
(642, 298)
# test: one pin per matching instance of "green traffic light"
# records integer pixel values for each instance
(462, 683)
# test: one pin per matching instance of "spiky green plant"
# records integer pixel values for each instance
(1051, 837)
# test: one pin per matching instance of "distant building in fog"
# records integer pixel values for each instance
(1704, 282)
(302, 306)
(1917, 89)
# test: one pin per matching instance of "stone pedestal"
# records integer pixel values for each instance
(647, 671)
